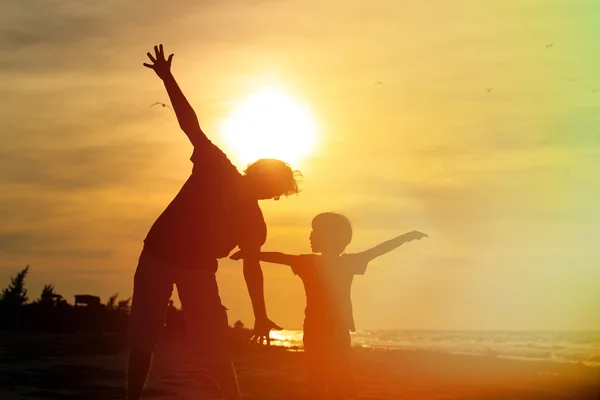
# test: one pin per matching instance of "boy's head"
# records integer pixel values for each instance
(331, 233)
(271, 179)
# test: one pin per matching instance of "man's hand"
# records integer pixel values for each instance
(160, 65)
(262, 328)
(236, 256)
(414, 235)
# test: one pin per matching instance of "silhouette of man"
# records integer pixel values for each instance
(171, 327)
(215, 211)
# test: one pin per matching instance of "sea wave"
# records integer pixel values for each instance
(561, 347)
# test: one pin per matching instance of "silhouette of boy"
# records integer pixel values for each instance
(327, 280)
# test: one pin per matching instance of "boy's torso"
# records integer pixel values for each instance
(328, 284)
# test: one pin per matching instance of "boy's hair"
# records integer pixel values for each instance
(276, 173)
(336, 227)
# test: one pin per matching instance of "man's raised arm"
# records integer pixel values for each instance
(188, 121)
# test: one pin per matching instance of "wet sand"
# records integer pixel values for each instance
(85, 367)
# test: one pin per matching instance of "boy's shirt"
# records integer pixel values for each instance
(328, 285)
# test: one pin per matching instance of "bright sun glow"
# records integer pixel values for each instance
(270, 124)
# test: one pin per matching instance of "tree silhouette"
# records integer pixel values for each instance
(111, 304)
(124, 305)
(47, 292)
(16, 294)
(49, 297)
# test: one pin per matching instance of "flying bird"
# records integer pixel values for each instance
(488, 90)
(379, 83)
(161, 104)
(592, 89)
(549, 45)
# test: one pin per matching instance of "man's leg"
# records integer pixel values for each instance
(208, 328)
(226, 379)
(138, 366)
(152, 290)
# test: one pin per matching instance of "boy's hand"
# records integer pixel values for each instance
(236, 256)
(160, 65)
(414, 235)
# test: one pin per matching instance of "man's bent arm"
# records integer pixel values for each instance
(186, 116)
(254, 280)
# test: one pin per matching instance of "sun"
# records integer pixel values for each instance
(270, 124)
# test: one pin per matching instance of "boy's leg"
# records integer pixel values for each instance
(207, 327)
(340, 366)
(316, 382)
(152, 290)
(315, 376)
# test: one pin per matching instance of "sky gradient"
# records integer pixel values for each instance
(504, 181)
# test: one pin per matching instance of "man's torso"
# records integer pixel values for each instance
(208, 218)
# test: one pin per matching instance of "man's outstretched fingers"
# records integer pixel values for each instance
(276, 327)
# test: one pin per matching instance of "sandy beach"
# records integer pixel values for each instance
(85, 367)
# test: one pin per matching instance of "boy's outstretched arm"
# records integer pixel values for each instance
(270, 257)
(390, 245)
(188, 121)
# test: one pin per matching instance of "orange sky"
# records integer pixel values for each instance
(504, 182)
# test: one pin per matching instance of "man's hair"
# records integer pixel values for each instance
(276, 173)
(336, 227)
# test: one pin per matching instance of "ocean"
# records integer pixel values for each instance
(559, 346)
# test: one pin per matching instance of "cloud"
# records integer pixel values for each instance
(81, 173)
(35, 244)
(78, 168)
(51, 35)
(22, 209)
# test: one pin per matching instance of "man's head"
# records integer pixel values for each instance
(271, 179)
(331, 233)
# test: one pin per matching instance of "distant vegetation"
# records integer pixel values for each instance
(50, 312)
